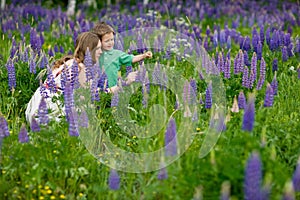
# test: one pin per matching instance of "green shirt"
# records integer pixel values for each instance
(111, 61)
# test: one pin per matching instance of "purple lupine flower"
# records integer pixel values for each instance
(73, 123)
(115, 100)
(259, 50)
(56, 48)
(249, 114)
(290, 50)
(13, 49)
(260, 82)
(68, 99)
(23, 135)
(102, 82)
(208, 96)
(297, 48)
(42, 40)
(25, 55)
(269, 98)
(193, 85)
(83, 119)
(262, 70)
(43, 62)
(205, 44)
(61, 49)
(51, 82)
(215, 38)
(35, 41)
(275, 65)
(43, 112)
(162, 174)
(245, 80)
(114, 180)
(254, 64)
(88, 63)
(262, 34)
(171, 139)
(128, 70)
(246, 59)
(227, 68)
(255, 42)
(4, 132)
(220, 63)
(34, 126)
(228, 42)
(286, 39)
(246, 44)
(156, 74)
(251, 79)
(274, 85)
(11, 74)
(222, 37)
(284, 54)
(50, 52)
(240, 64)
(298, 73)
(296, 178)
(253, 177)
(43, 90)
(74, 75)
(95, 91)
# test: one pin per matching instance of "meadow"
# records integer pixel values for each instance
(216, 111)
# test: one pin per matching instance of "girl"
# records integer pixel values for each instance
(84, 41)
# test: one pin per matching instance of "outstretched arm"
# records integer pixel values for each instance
(140, 57)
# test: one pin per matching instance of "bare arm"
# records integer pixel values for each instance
(140, 57)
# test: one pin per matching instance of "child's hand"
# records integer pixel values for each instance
(131, 77)
(148, 54)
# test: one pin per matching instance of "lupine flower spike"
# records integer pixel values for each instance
(4, 132)
(171, 139)
(114, 180)
(34, 126)
(249, 114)
(208, 96)
(23, 135)
(241, 100)
(253, 177)
(162, 174)
(269, 98)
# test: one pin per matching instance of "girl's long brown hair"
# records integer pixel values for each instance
(84, 40)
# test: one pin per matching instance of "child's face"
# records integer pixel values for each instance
(108, 41)
(98, 51)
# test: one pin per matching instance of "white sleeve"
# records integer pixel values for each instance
(33, 105)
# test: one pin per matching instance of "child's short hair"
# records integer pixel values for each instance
(101, 28)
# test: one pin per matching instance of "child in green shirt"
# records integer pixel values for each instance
(111, 59)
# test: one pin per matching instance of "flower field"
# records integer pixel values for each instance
(214, 114)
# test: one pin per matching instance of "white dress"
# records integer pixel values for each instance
(57, 109)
